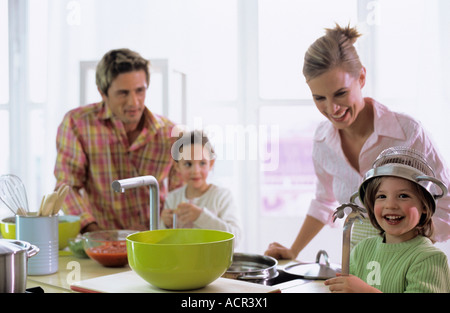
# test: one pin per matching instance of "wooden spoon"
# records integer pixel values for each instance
(49, 204)
(62, 192)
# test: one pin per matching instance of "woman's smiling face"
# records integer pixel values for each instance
(337, 94)
(398, 209)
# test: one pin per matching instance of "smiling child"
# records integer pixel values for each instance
(198, 204)
(400, 198)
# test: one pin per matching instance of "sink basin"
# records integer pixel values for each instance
(180, 259)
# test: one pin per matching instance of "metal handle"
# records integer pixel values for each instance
(32, 251)
(436, 182)
(253, 277)
(325, 256)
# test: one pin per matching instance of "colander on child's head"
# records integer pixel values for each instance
(405, 163)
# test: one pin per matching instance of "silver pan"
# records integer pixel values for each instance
(252, 267)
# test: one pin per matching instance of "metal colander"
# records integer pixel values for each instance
(405, 163)
(405, 156)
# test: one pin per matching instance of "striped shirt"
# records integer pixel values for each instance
(411, 266)
(337, 180)
(93, 151)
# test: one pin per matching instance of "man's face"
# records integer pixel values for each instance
(126, 97)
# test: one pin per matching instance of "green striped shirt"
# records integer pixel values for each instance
(362, 230)
(411, 266)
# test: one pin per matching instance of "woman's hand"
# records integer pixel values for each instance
(279, 251)
(187, 212)
(349, 284)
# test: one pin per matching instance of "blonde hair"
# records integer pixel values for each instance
(116, 62)
(334, 49)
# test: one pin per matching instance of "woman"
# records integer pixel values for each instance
(346, 145)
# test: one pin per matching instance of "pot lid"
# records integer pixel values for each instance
(8, 246)
(314, 270)
(311, 271)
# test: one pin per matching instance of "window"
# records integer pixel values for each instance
(4, 53)
(37, 55)
(288, 186)
(286, 29)
(4, 87)
(412, 53)
(4, 141)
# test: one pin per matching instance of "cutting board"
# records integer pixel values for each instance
(130, 282)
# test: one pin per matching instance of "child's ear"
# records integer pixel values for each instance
(211, 163)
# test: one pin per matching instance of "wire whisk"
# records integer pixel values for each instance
(13, 194)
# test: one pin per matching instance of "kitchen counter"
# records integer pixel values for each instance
(81, 272)
(71, 270)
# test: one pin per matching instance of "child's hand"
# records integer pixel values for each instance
(187, 212)
(348, 284)
(167, 217)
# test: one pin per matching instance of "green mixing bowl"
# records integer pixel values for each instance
(180, 259)
(68, 227)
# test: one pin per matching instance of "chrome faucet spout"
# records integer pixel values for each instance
(355, 214)
(134, 182)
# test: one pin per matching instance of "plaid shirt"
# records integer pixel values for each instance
(93, 151)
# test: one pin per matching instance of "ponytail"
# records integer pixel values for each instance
(334, 49)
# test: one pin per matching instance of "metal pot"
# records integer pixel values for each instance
(252, 267)
(14, 256)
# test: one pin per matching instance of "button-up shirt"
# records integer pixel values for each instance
(337, 179)
(93, 151)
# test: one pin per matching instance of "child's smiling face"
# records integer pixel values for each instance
(194, 166)
(398, 209)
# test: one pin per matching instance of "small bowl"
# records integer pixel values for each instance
(69, 226)
(107, 247)
(76, 247)
(180, 259)
(8, 227)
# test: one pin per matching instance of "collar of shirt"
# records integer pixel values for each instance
(152, 123)
(385, 124)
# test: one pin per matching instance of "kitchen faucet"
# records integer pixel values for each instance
(355, 214)
(128, 183)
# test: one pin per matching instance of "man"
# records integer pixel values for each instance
(117, 138)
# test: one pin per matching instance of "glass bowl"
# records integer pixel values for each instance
(107, 247)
